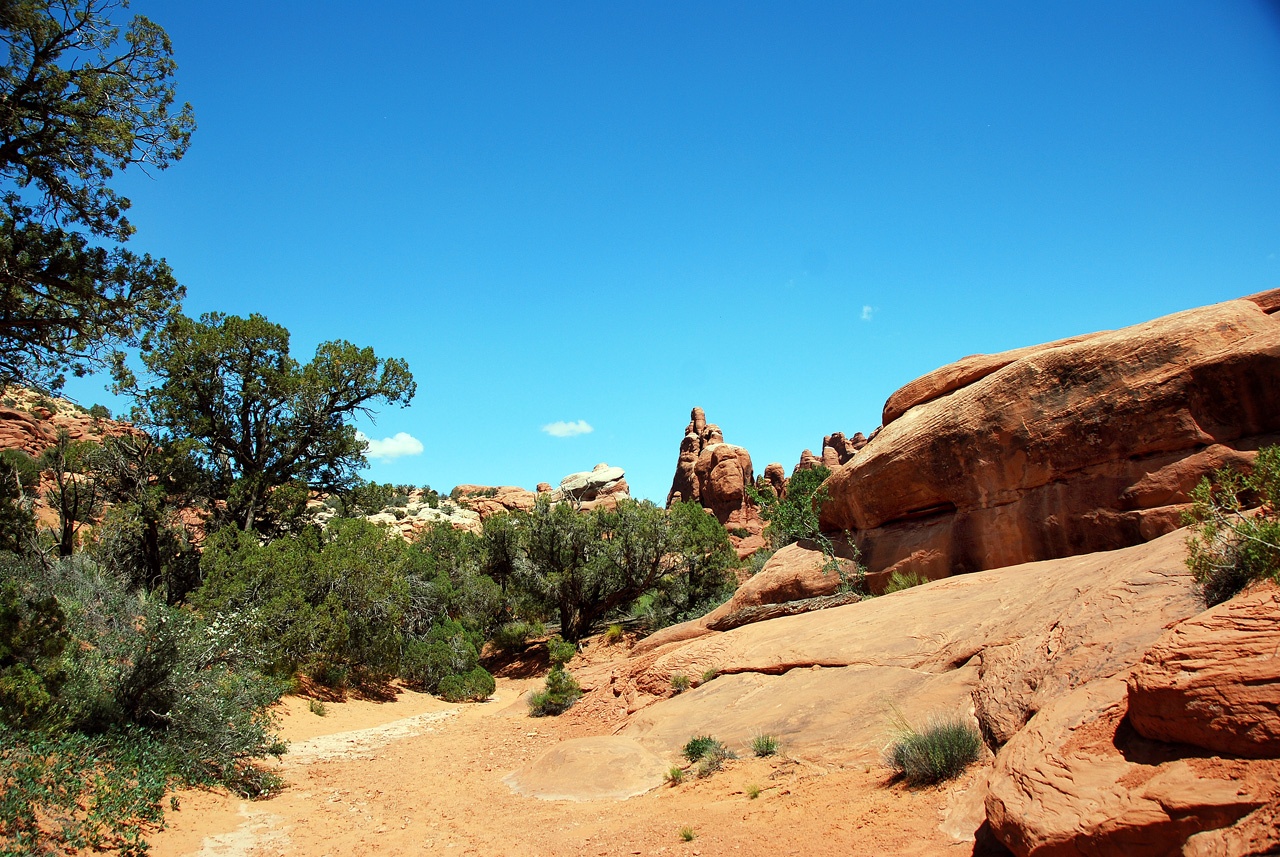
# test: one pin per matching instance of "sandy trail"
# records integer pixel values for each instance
(419, 775)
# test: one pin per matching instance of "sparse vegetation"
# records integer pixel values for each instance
(698, 746)
(753, 791)
(939, 751)
(710, 674)
(317, 708)
(899, 581)
(687, 833)
(680, 683)
(674, 775)
(1230, 546)
(764, 745)
(709, 754)
(561, 692)
(613, 635)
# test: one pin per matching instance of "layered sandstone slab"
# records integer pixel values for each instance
(1077, 781)
(826, 682)
(1083, 445)
(1214, 681)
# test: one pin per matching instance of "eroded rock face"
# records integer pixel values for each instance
(924, 649)
(715, 474)
(1213, 681)
(1087, 444)
(33, 427)
(602, 485)
(1078, 781)
(775, 476)
(495, 500)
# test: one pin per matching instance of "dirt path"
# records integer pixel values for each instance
(418, 775)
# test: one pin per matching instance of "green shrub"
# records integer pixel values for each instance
(332, 601)
(687, 833)
(559, 695)
(475, 686)
(1229, 547)
(674, 775)
(940, 751)
(162, 695)
(680, 683)
(68, 791)
(613, 635)
(100, 412)
(710, 675)
(514, 635)
(753, 791)
(317, 708)
(699, 746)
(764, 745)
(899, 581)
(447, 650)
(560, 652)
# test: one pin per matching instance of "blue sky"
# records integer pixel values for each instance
(610, 213)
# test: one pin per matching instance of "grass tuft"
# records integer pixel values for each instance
(753, 791)
(687, 833)
(764, 745)
(674, 775)
(317, 708)
(680, 683)
(939, 751)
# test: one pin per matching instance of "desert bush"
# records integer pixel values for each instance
(118, 695)
(560, 651)
(331, 601)
(710, 675)
(317, 708)
(687, 834)
(476, 685)
(796, 516)
(613, 635)
(714, 758)
(513, 635)
(899, 581)
(764, 745)
(559, 695)
(674, 775)
(698, 746)
(68, 791)
(680, 683)
(449, 649)
(939, 751)
(753, 791)
(1229, 546)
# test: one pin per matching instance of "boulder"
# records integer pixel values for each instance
(1081, 445)
(775, 476)
(1214, 680)
(1078, 781)
(601, 483)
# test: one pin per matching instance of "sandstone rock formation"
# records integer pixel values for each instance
(1037, 655)
(1214, 681)
(836, 450)
(494, 500)
(776, 478)
(600, 485)
(29, 424)
(716, 474)
(1081, 445)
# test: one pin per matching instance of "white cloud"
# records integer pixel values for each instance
(563, 429)
(402, 443)
(866, 313)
